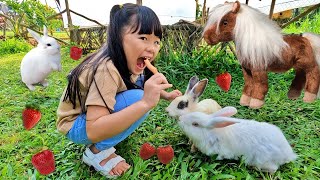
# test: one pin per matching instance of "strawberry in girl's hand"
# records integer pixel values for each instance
(147, 151)
(44, 162)
(165, 154)
(30, 116)
(224, 81)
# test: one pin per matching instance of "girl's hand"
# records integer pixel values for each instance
(152, 89)
(169, 96)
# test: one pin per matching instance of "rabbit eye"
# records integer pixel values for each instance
(48, 44)
(195, 124)
(182, 104)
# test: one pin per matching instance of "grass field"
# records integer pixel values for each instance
(299, 121)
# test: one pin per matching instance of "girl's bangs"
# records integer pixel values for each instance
(147, 22)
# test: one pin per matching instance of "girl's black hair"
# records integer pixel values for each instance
(139, 18)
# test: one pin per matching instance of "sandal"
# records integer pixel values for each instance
(94, 160)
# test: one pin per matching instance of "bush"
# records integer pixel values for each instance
(12, 46)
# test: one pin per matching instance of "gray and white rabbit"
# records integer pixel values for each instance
(39, 62)
(260, 144)
(189, 101)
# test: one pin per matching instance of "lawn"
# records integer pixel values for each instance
(299, 121)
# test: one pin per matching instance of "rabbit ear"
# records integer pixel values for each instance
(225, 112)
(35, 35)
(45, 31)
(193, 81)
(198, 89)
(221, 122)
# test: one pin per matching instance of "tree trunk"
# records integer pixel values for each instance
(197, 9)
(204, 14)
(139, 2)
(73, 37)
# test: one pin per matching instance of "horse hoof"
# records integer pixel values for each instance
(309, 97)
(256, 103)
(245, 100)
(294, 94)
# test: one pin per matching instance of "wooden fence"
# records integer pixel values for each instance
(182, 37)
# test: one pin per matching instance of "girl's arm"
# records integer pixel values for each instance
(102, 125)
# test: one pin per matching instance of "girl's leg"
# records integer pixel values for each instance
(123, 100)
(77, 133)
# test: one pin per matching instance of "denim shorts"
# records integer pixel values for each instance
(78, 133)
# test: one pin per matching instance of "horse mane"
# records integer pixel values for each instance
(258, 39)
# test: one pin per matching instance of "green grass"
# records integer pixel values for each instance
(59, 35)
(299, 121)
(8, 33)
(308, 24)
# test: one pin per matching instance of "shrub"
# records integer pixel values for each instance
(12, 46)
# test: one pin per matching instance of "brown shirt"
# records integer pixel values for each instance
(109, 82)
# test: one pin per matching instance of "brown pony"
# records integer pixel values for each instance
(260, 47)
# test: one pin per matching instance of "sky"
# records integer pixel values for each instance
(168, 11)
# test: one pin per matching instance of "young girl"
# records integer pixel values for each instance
(111, 92)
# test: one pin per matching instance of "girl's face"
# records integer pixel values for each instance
(138, 47)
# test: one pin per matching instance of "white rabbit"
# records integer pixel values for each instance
(39, 62)
(260, 144)
(189, 101)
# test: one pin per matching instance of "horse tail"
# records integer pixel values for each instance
(314, 40)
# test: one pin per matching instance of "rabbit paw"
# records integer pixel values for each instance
(271, 168)
(220, 157)
(58, 68)
(193, 148)
(31, 87)
(44, 83)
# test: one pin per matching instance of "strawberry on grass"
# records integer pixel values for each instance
(44, 162)
(224, 81)
(147, 151)
(165, 154)
(30, 116)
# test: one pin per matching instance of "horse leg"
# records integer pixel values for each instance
(260, 89)
(247, 89)
(297, 84)
(312, 84)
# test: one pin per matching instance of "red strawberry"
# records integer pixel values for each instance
(147, 151)
(75, 52)
(165, 154)
(224, 81)
(30, 116)
(44, 162)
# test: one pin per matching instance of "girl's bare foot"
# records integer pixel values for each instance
(119, 169)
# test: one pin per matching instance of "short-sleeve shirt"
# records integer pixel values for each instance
(110, 83)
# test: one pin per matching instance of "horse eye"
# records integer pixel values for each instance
(48, 44)
(225, 22)
(195, 124)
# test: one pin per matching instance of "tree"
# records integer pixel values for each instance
(139, 2)
(29, 13)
